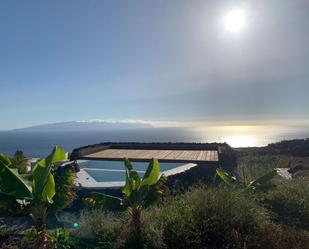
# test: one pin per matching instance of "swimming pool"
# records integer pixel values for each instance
(111, 171)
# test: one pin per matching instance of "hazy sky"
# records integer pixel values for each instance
(152, 60)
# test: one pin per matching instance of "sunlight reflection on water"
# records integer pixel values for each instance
(40, 143)
(250, 135)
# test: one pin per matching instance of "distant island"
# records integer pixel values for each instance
(86, 126)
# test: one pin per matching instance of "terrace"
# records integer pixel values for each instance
(101, 165)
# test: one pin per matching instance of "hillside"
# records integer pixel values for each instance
(86, 126)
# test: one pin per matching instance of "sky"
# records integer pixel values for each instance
(152, 60)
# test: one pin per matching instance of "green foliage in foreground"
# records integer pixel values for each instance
(204, 218)
(214, 217)
(289, 202)
(35, 195)
(201, 218)
(261, 183)
(100, 229)
(64, 181)
(61, 239)
(137, 194)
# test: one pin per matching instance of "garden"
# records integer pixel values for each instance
(251, 207)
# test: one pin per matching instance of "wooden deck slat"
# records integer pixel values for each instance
(200, 156)
(216, 156)
(196, 154)
(166, 156)
(143, 154)
(181, 155)
(175, 154)
(185, 155)
(208, 156)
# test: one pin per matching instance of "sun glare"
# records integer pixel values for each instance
(241, 141)
(234, 21)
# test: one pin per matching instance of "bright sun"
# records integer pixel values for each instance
(241, 141)
(235, 20)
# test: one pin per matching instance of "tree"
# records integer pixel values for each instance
(20, 162)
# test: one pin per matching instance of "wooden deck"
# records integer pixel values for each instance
(201, 156)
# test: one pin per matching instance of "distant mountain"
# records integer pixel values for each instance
(87, 126)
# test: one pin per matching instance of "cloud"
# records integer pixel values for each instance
(205, 123)
(154, 123)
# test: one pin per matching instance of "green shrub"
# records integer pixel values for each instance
(4, 234)
(273, 236)
(9, 206)
(253, 166)
(64, 183)
(215, 217)
(98, 229)
(61, 239)
(302, 174)
(138, 194)
(290, 203)
(205, 218)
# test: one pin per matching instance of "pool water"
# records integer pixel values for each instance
(103, 171)
(107, 176)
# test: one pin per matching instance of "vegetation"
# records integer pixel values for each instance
(203, 217)
(295, 147)
(100, 229)
(290, 203)
(34, 196)
(20, 162)
(64, 178)
(250, 167)
(261, 183)
(225, 215)
(61, 239)
(137, 194)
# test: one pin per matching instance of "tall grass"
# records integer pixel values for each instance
(205, 218)
(98, 229)
(289, 203)
(251, 167)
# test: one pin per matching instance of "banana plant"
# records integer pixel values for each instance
(137, 194)
(260, 183)
(34, 192)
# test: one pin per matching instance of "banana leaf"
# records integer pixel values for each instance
(5, 159)
(14, 184)
(225, 177)
(43, 183)
(152, 174)
(153, 192)
(263, 180)
(133, 179)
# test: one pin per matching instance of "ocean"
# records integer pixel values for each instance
(39, 144)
